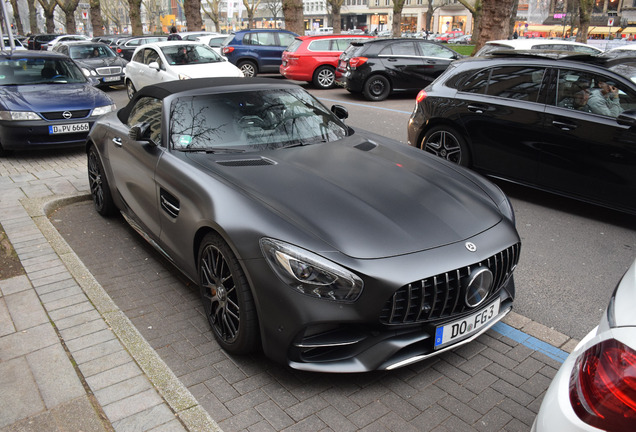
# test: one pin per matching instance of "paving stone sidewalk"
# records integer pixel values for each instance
(116, 341)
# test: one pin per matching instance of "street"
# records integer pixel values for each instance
(573, 254)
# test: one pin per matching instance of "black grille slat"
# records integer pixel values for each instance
(439, 296)
(59, 115)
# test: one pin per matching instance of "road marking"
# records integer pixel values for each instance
(531, 342)
(367, 106)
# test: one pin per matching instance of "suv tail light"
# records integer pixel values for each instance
(227, 49)
(603, 386)
(354, 62)
(421, 96)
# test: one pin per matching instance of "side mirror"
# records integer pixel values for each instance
(154, 65)
(140, 132)
(340, 111)
(94, 81)
(627, 118)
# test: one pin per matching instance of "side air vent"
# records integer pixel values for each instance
(366, 146)
(246, 162)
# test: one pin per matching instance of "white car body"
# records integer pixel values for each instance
(155, 63)
(618, 323)
(64, 38)
(213, 41)
(537, 44)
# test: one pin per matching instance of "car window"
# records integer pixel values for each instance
(150, 55)
(190, 54)
(90, 51)
(340, 44)
(511, 82)
(138, 57)
(434, 50)
(260, 38)
(591, 92)
(320, 45)
(40, 71)
(259, 120)
(133, 42)
(286, 39)
(147, 110)
(216, 41)
(400, 48)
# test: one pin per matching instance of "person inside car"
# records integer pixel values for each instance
(604, 99)
(579, 96)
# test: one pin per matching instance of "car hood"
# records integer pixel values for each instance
(52, 97)
(364, 200)
(209, 70)
(101, 62)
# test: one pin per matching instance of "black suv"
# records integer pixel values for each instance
(126, 48)
(378, 67)
(559, 122)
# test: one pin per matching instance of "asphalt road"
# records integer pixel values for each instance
(573, 254)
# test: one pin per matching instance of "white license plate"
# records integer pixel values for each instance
(462, 328)
(111, 79)
(68, 128)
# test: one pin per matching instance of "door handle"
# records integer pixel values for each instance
(117, 141)
(476, 109)
(563, 125)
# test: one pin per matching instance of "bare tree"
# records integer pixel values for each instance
(192, 10)
(585, 15)
(398, 5)
(16, 16)
(494, 21)
(33, 18)
(213, 13)
(49, 14)
(250, 7)
(113, 11)
(135, 17)
(274, 7)
(96, 17)
(293, 13)
(475, 10)
(69, 7)
(336, 7)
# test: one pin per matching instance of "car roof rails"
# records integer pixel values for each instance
(5, 27)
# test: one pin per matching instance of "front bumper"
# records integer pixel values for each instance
(394, 322)
(35, 134)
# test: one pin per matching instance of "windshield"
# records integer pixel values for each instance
(24, 71)
(251, 121)
(81, 52)
(190, 54)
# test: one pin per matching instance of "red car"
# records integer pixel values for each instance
(314, 58)
(450, 35)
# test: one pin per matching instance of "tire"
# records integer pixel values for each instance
(376, 88)
(130, 89)
(447, 143)
(100, 190)
(324, 77)
(227, 299)
(248, 68)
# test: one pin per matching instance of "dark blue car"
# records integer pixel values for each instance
(46, 101)
(257, 50)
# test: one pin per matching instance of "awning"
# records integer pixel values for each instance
(545, 28)
(603, 30)
(629, 30)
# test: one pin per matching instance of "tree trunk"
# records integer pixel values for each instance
(494, 21)
(16, 17)
(69, 8)
(33, 20)
(396, 28)
(293, 13)
(585, 9)
(96, 17)
(49, 14)
(192, 9)
(135, 17)
(336, 19)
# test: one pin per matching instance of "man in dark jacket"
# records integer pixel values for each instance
(173, 34)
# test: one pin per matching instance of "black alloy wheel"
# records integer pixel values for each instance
(447, 143)
(377, 88)
(227, 299)
(324, 77)
(100, 191)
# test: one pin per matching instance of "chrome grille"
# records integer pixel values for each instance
(59, 115)
(113, 70)
(440, 296)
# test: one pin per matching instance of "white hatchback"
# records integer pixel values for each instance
(159, 62)
(595, 388)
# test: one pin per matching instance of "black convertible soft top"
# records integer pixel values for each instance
(163, 90)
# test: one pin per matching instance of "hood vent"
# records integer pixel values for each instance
(366, 146)
(246, 162)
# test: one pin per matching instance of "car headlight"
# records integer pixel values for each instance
(103, 110)
(309, 273)
(19, 115)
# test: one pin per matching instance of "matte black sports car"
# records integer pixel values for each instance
(334, 250)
